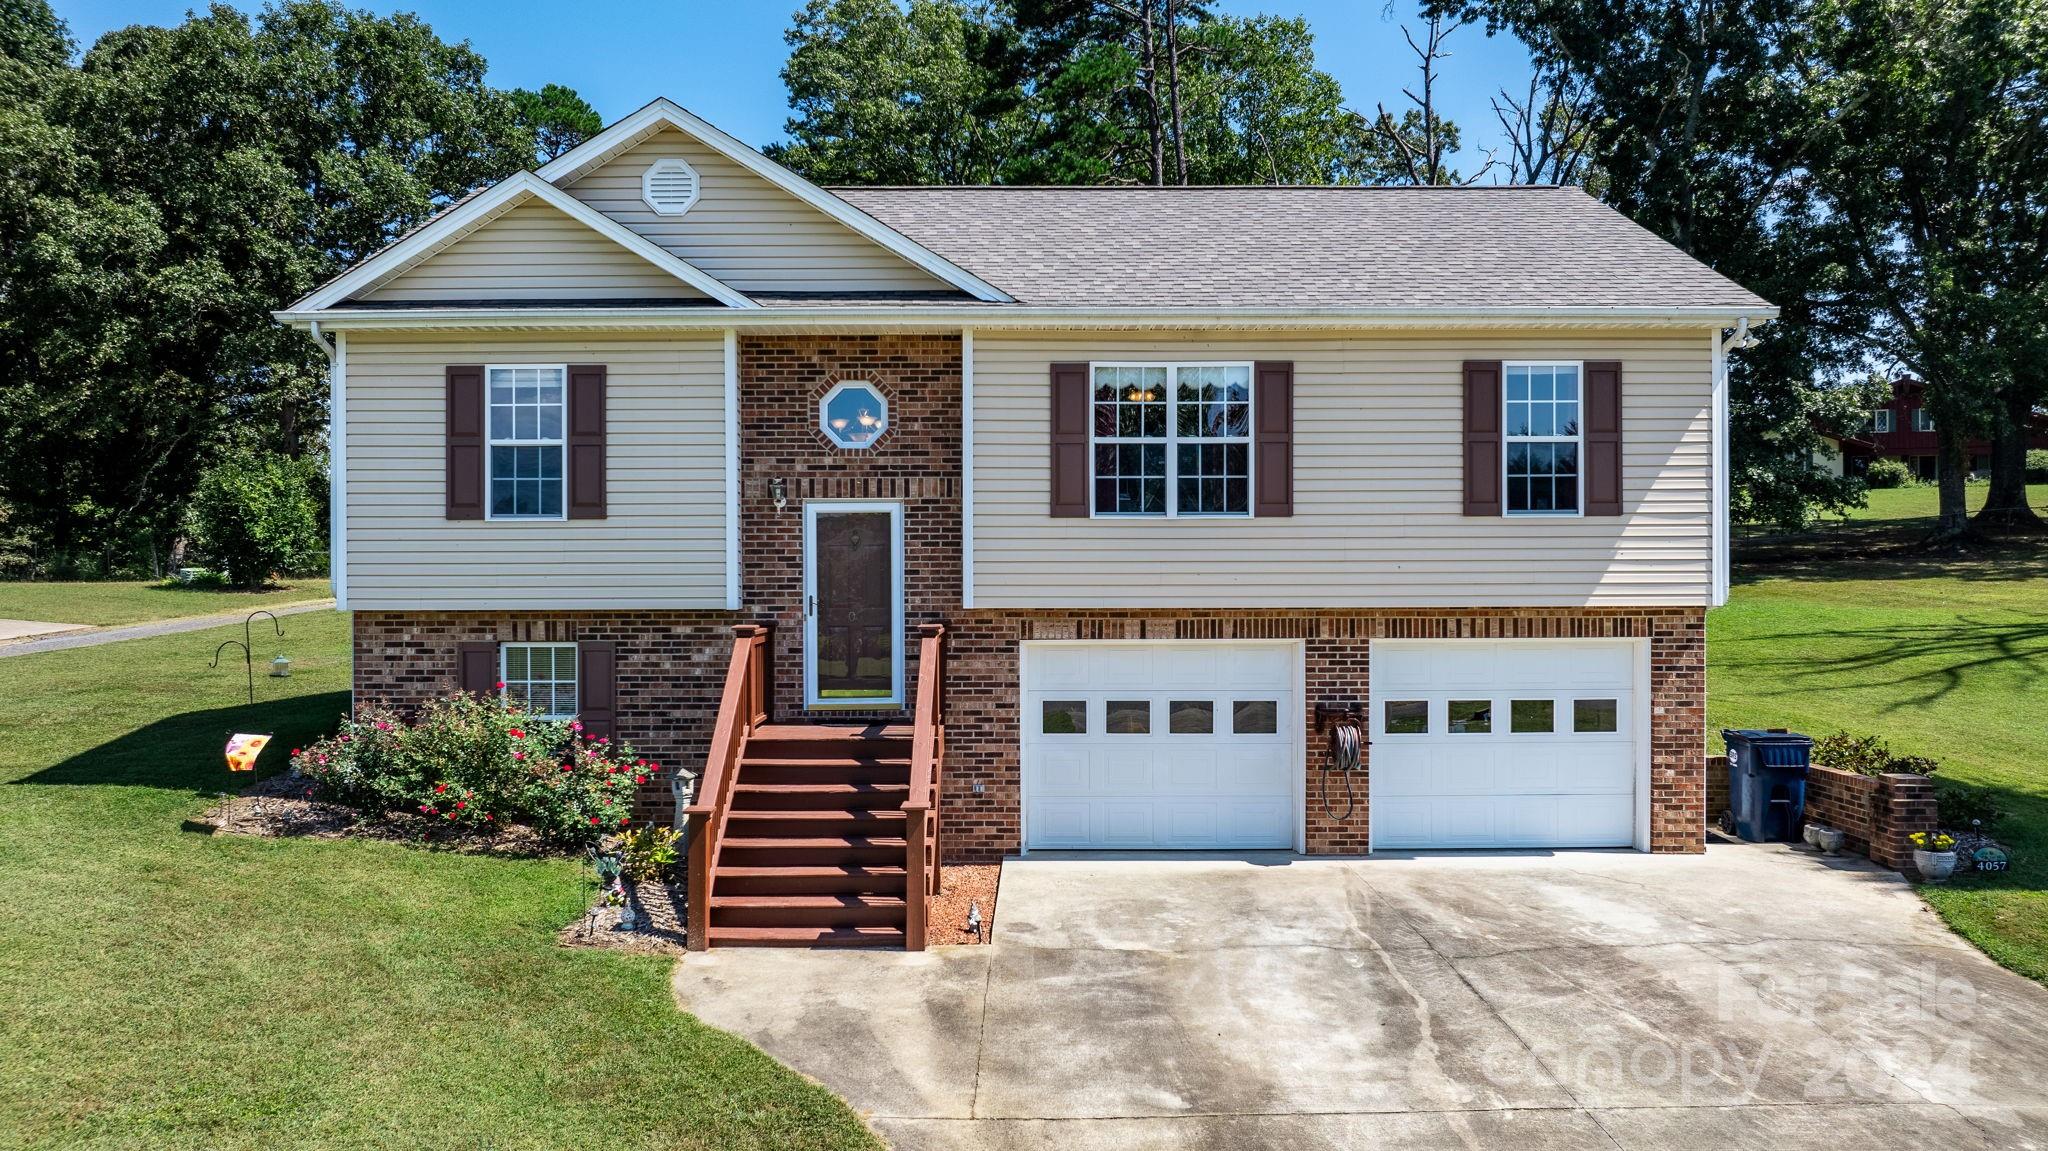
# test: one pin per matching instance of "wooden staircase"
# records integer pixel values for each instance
(815, 835)
(813, 848)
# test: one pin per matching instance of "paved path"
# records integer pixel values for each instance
(13, 629)
(1754, 996)
(98, 636)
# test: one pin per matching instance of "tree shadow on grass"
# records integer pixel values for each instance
(188, 751)
(1931, 660)
(1885, 552)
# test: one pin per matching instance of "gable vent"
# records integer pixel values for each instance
(669, 187)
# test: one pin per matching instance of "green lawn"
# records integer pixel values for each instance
(1941, 656)
(1922, 501)
(104, 602)
(166, 990)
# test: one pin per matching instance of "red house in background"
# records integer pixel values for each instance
(1904, 430)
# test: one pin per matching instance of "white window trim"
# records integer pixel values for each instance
(812, 510)
(669, 164)
(575, 676)
(1922, 421)
(492, 442)
(882, 417)
(1173, 439)
(1881, 422)
(1506, 440)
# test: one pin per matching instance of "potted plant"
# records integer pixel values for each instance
(1934, 855)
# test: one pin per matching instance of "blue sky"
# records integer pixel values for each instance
(723, 59)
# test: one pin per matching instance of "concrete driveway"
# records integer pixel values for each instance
(1755, 996)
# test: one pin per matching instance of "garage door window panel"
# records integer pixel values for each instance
(1532, 716)
(1191, 717)
(1596, 715)
(1255, 717)
(1469, 716)
(1063, 717)
(1128, 717)
(1406, 717)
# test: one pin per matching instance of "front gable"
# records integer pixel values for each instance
(530, 252)
(743, 229)
(711, 200)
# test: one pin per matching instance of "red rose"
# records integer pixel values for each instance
(593, 820)
(460, 804)
(516, 733)
(639, 779)
(439, 788)
(568, 767)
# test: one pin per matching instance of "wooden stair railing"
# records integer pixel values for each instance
(921, 857)
(742, 708)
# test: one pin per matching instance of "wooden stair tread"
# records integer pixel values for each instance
(835, 732)
(826, 899)
(756, 843)
(815, 815)
(864, 936)
(839, 759)
(812, 871)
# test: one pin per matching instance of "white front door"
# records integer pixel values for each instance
(1178, 745)
(1521, 743)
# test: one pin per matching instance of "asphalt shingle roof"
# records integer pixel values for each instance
(1306, 247)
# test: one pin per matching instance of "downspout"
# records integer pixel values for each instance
(336, 348)
(1723, 480)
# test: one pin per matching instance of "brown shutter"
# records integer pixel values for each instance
(597, 689)
(1602, 433)
(1482, 438)
(465, 484)
(476, 667)
(1070, 440)
(586, 442)
(1273, 449)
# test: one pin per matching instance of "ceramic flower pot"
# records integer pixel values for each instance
(1934, 866)
(1829, 840)
(1811, 833)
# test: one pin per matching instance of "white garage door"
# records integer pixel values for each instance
(1513, 744)
(1160, 745)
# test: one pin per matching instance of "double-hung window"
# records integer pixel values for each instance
(528, 420)
(1542, 438)
(540, 677)
(1923, 420)
(1172, 439)
(1880, 422)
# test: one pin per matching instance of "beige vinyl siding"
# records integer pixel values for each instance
(1378, 484)
(662, 544)
(745, 230)
(533, 252)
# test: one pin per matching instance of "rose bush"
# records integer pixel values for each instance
(476, 762)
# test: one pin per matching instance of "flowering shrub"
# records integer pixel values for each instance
(1868, 755)
(474, 762)
(648, 852)
(1938, 841)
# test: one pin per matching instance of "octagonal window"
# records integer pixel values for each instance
(853, 414)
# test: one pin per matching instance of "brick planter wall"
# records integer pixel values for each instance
(1875, 812)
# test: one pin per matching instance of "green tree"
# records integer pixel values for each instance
(1258, 110)
(556, 117)
(884, 94)
(1690, 130)
(1925, 158)
(159, 199)
(258, 514)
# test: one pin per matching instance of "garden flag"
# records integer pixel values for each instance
(243, 750)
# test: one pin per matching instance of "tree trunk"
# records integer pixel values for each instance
(1180, 150)
(2005, 506)
(1149, 61)
(1951, 464)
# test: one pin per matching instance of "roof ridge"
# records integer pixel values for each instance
(838, 188)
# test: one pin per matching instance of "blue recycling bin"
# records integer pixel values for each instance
(1766, 784)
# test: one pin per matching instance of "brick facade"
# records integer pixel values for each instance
(671, 664)
(1876, 813)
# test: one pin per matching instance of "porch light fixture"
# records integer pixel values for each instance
(853, 414)
(779, 492)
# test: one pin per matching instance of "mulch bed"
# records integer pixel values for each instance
(659, 922)
(959, 886)
(282, 807)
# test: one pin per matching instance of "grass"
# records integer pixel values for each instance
(1922, 501)
(1942, 655)
(168, 990)
(106, 602)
